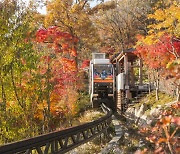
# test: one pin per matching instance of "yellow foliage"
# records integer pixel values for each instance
(177, 30)
(159, 34)
(166, 21)
(173, 63)
(72, 17)
(159, 15)
(40, 108)
(150, 39)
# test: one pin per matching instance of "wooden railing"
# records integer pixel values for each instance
(60, 141)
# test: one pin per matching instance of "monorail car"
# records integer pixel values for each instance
(101, 80)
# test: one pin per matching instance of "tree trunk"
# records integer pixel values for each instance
(3, 94)
(178, 93)
(14, 87)
(157, 86)
(48, 98)
(149, 87)
(157, 89)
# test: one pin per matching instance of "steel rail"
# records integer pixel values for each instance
(60, 141)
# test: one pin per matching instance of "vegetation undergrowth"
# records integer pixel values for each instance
(164, 134)
(91, 115)
(12, 129)
(83, 102)
(161, 136)
(151, 102)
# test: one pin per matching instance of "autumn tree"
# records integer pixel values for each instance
(72, 17)
(58, 71)
(37, 77)
(160, 48)
(119, 24)
(17, 57)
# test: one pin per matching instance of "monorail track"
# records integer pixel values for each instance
(63, 141)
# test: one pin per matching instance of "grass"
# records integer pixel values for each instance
(151, 102)
(83, 102)
(87, 148)
(90, 115)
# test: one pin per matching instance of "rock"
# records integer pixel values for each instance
(141, 110)
(130, 112)
(154, 113)
(141, 143)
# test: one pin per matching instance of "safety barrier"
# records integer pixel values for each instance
(60, 141)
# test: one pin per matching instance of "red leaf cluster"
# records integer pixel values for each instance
(158, 55)
(60, 41)
(52, 34)
(57, 67)
(85, 64)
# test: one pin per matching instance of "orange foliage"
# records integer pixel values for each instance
(59, 74)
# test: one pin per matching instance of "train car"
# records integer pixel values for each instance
(101, 81)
